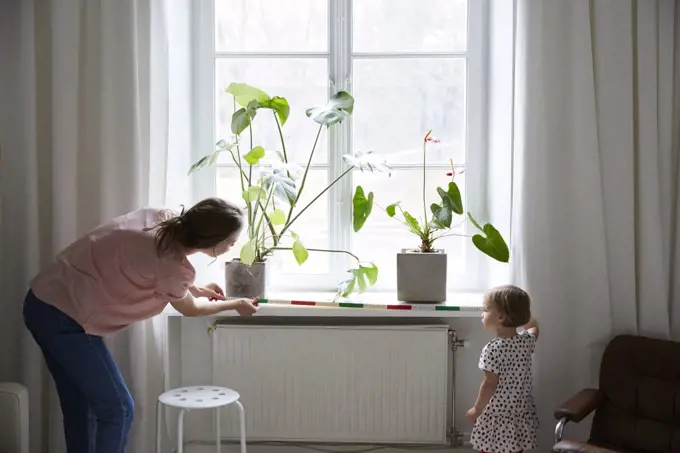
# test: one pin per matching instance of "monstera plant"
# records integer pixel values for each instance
(272, 186)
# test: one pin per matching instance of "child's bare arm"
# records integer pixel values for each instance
(486, 391)
(532, 326)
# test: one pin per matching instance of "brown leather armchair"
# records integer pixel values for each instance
(637, 407)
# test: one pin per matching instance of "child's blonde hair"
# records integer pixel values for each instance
(513, 304)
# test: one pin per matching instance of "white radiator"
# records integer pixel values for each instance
(337, 383)
(13, 418)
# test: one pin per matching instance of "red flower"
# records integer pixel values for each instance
(449, 174)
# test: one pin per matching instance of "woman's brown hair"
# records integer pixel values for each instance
(513, 304)
(204, 226)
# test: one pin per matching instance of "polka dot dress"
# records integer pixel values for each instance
(509, 422)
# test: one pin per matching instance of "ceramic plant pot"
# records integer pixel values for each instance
(421, 277)
(245, 281)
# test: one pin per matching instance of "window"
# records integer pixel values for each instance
(411, 65)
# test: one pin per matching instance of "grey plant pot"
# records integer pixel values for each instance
(245, 281)
(421, 277)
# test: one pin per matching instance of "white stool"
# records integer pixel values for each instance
(201, 397)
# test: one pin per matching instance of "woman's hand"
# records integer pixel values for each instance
(211, 291)
(472, 415)
(247, 307)
(216, 288)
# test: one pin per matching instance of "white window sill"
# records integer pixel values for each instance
(367, 305)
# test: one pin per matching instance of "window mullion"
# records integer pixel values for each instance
(340, 135)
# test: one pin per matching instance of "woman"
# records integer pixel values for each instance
(122, 272)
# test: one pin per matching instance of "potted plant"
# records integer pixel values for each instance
(421, 272)
(272, 186)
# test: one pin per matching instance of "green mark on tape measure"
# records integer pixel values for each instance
(446, 308)
(350, 305)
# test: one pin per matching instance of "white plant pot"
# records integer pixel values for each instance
(421, 277)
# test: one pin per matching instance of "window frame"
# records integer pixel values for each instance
(340, 58)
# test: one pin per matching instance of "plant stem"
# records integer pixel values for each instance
(248, 179)
(263, 210)
(393, 217)
(290, 222)
(257, 206)
(321, 250)
(283, 144)
(243, 175)
(304, 176)
(424, 179)
(451, 234)
(261, 248)
(250, 167)
(240, 166)
(238, 152)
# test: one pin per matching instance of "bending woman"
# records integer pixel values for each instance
(122, 272)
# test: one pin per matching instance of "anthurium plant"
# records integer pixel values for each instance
(272, 185)
(439, 222)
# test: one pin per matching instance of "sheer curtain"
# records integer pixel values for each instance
(595, 180)
(85, 123)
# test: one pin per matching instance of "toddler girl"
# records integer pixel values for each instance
(504, 414)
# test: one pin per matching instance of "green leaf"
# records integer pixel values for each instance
(240, 121)
(248, 252)
(360, 278)
(300, 252)
(349, 287)
(205, 161)
(362, 207)
(451, 202)
(254, 155)
(277, 180)
(277, 217)
(244, 93)
(212, 327)
(339, 107)
(412, 223)
(367, 161)
(442, 214)
(279, 105)
(371, 273)
(361, 281)
(254, 193)
(454, 194)
(474, 222)
(392, 209)
(201, 163)
(492, 244)
(211, 159)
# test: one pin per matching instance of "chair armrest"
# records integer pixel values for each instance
(580, 405)
(567, 446)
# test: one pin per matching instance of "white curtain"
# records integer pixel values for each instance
(84, 135)
(595, 181)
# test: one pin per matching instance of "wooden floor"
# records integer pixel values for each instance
(324, 449)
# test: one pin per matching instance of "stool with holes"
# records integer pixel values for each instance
(192, 398)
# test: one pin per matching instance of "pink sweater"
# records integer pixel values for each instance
(113, 276)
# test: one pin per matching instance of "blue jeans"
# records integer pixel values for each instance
(95, 401)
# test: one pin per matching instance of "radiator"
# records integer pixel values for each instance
(337, 383)
(13, 418)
